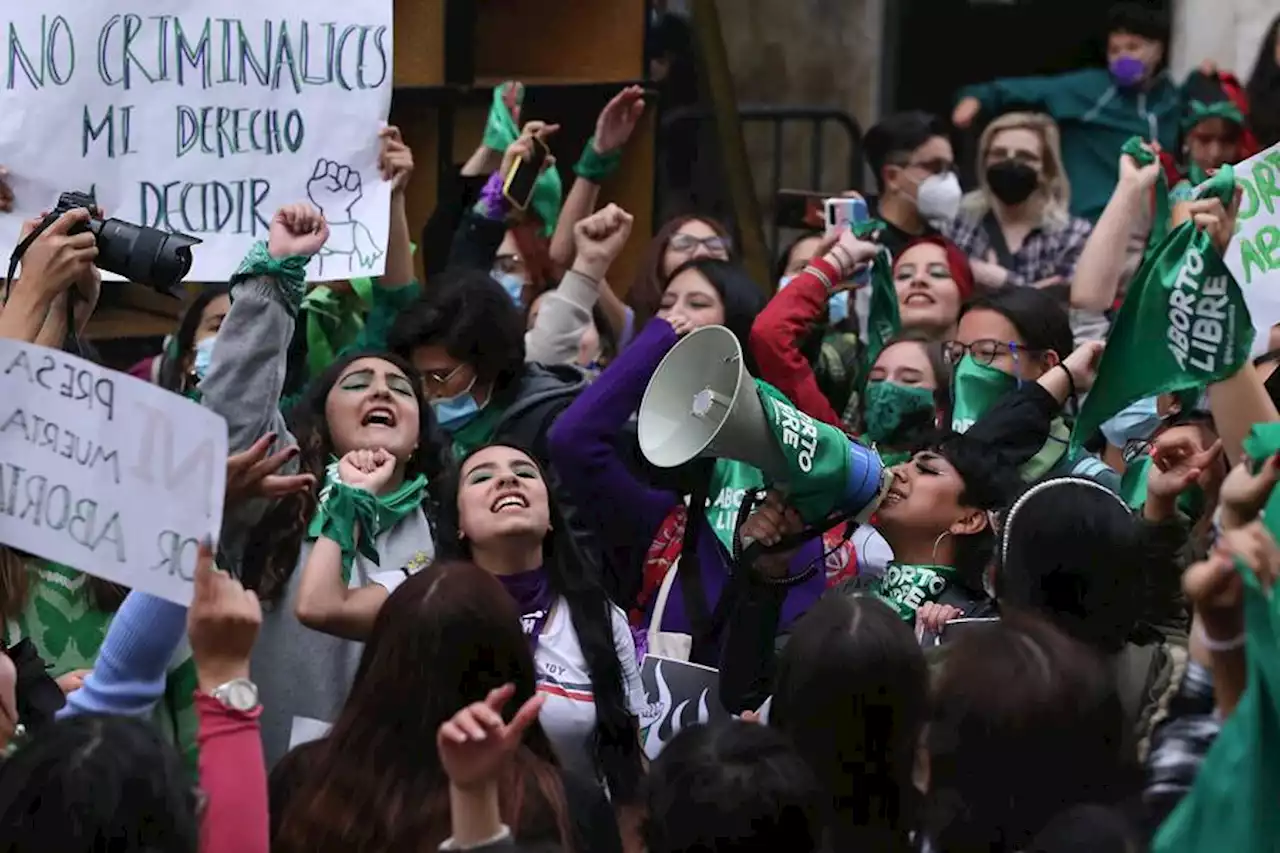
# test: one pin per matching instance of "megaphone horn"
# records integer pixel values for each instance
(702, 401)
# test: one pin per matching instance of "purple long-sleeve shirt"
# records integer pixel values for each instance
(625, 510)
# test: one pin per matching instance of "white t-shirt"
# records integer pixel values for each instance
(569, 712)
(874, 553)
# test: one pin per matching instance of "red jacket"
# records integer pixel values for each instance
(776, 335)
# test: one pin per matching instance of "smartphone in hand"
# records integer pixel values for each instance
(841, 213)
(520, 179)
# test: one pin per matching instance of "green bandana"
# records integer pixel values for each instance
(975, 388)
(1160, 222)
(730, 481)
(500, 131)
(1264, 442)
(883, 319)
(334, 321)
(905, 588)
(888, 405)
(826, 471)
(1183, 324)
(342, 507)
(1197, 111)
(291, 272)
(594, 166)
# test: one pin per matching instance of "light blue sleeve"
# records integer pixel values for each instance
(129, 675)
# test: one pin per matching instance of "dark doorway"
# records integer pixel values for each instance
(934, 47)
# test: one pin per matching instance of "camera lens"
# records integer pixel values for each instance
(145, 255)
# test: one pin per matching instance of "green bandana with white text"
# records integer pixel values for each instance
(905, 588)
(975, 388)
(730, 481)
(1184, 323)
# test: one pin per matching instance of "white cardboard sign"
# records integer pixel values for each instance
(1254, 254)
(203, 117)
(106, 473)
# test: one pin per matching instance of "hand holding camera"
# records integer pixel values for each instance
(61, 256)
(297, 229)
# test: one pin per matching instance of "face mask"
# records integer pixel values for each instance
(204, 356)
(837, 306)
(938, 198)
(453, 413)
(1136, 421)
(513, 285)
(1128, 71)
(1012, 182)
(890, 406)
(975, 389)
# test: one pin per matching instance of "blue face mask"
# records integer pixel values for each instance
(837, 306)
(204, 356)
(454, 413)
(512, 284)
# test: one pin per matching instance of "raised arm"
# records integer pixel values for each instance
(1102, 260)
(396, 164)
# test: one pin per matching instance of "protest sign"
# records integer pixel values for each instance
(678, 695)
(1254, 254)
(203, 118)
(105, 473)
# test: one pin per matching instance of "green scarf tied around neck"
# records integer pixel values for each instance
(343, 507)
(500, 131)
(905, 588)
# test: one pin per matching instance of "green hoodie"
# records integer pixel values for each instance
(1095, 118)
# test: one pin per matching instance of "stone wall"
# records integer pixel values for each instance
(822, 53)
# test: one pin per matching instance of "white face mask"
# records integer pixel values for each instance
(938, 198)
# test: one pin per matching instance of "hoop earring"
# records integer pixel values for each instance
(943, 535)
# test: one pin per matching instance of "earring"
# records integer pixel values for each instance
(461, 536)
(943, 535)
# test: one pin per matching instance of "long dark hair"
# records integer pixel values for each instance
(96, 783)
(173, 375)
(575, 577)
(271, 554)
(852, 694)
(1264, 90)
(646, 292)
(443, 640)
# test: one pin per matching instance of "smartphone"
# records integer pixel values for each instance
(841, 213)
(517, 187)
(799, 209)
(956, 627)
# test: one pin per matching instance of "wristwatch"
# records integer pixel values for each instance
(239, 694)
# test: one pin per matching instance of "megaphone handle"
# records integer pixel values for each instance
(746, 556)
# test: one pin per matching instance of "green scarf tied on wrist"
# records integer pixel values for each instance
(290, 272)
(343, 507)
(500, 131)
(594, 166)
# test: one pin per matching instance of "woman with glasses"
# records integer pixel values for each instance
(1004, 343)
(1016, 227)
(682, 239)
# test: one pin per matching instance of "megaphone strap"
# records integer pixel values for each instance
(746, 556)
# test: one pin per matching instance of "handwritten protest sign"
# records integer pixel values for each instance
(203, 117)
(1254, 254)
(106, 473)
(679, 694)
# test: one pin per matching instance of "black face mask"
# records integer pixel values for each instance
(1012, 182)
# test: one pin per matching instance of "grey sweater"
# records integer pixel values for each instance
(300, 673)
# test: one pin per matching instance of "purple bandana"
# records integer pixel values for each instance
(534, 598)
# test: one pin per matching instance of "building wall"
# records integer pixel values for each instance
(1227, 31)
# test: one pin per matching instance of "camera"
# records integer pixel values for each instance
(145, 255)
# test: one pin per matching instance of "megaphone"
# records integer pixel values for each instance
(702, 402)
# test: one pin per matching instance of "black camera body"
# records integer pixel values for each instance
(135, 252)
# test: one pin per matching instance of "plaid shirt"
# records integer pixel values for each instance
(1180, 743)
(1047, 251)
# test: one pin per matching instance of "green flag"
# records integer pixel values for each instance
(1232, 804)
(1184, 323)
(883, 321)
(500, 131)
(730, 481)
(827, 470)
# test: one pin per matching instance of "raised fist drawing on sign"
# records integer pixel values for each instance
(335, 189)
